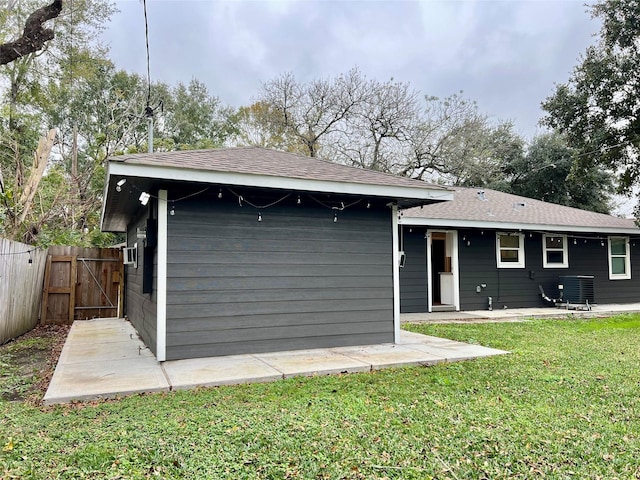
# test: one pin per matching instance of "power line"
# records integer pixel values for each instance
(146, 34)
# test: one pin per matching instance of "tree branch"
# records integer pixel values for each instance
(34, 34)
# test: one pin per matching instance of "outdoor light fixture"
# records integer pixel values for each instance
(120, 184)
(144, 198)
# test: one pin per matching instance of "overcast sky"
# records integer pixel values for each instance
(506, 55)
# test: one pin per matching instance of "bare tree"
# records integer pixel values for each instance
(380, 124)
(34, 35)
(308, 113)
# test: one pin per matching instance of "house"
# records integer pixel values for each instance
(247, 250)
(488, 249)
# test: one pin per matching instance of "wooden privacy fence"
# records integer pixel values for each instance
(82, 283)
(21, 274)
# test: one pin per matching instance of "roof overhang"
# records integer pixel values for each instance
(404, 196)
(453, 223)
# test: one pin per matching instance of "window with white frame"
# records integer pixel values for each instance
(510, 250)
(554, 251)
(619, 258)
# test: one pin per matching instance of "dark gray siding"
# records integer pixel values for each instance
(295, 280)
(413, 276)
(513, 288)
(140, 308)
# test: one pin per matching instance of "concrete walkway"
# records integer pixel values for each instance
(519, 314)
(105, 358)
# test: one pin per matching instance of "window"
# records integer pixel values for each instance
(510, 250)
(619, 258)
(554, 251)
(130, 255)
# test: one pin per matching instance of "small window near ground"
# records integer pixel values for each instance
(510, 250)
(554, 251)
(619, 258)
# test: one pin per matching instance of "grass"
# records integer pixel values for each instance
(564, 404)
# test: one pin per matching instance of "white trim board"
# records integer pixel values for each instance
(440, 222)
(161, 282)
(267, 181)
(395, 245)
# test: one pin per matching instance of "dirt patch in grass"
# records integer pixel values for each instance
(27, 363)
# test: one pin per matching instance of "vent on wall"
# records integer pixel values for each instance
(130, 255)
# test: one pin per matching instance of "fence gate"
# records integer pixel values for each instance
(82, 283)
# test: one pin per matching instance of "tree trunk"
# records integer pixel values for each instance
(33, 36)
(39, 164)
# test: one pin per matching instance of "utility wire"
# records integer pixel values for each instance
(146, 34)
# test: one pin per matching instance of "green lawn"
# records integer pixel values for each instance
(564, 404)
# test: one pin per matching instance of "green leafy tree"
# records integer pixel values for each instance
(598, 109)
(258, 126)
(29, 81)
(549, 172)
(195, 119)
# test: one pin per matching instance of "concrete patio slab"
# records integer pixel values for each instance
(232, 370)
(105, 379)
(384, 356)
(320, 361)
(457, 353)
(105, 358)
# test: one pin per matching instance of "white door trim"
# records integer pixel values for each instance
(452, 240)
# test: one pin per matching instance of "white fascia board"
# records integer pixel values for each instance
(440, 222)
(266, 181)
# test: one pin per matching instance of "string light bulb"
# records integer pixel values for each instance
(172, 212)
(30, 261)
(299, 201)
(259, 216)
(575, 242)
(369, 205)
(335, 217)
(220, 194)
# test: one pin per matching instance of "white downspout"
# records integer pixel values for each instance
(396, 273)
(161, 319)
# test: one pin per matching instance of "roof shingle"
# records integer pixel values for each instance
(503, 208)
(266, 162)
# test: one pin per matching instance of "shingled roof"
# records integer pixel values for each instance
(271, 163)
(260, 168)
(485, 208)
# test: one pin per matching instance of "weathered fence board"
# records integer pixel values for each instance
(20, 287)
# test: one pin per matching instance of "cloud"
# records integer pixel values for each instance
(506, 55)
